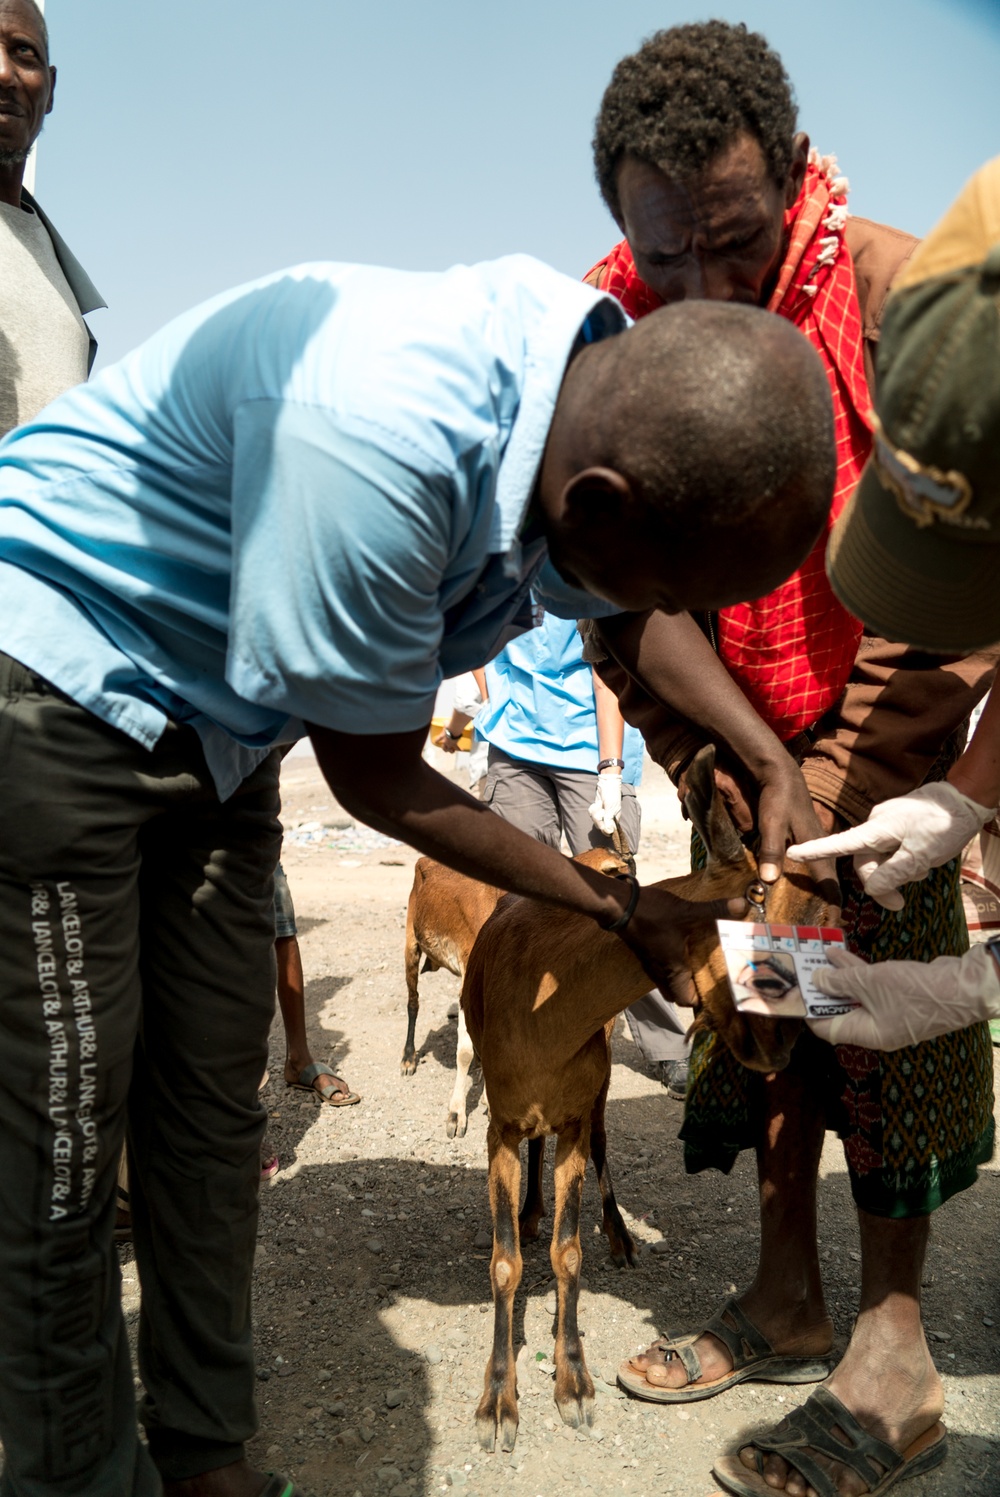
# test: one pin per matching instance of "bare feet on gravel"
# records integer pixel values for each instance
(893, 1390)
(803, 1330)
(239, 1479)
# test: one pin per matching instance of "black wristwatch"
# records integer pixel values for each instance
(453, 736)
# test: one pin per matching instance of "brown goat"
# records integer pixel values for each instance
(443, 917)
(445, 913)
(542, 988)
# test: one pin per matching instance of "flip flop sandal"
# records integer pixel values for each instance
(810, 1428)
(269, 1167)
(307, 1077)
(754, 1360)
(280, 1486)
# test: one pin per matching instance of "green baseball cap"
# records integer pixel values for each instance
(916, 553)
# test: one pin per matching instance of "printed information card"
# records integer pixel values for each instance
(771, 967)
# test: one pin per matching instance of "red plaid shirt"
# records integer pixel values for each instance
(792, 651)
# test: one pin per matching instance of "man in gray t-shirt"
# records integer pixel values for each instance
(45, 345)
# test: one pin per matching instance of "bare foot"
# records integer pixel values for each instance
(892, 1388)
(239, 1479)
(803, 1330)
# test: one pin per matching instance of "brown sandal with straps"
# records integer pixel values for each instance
(754, 1360)
(809, 1431)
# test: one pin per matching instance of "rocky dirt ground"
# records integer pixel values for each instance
(372, 1304)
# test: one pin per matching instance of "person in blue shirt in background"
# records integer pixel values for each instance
(563, 763)
(290, 512)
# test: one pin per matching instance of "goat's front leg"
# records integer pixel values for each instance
(534, 1202)
(498, 1405)
(574, 1389)
(458, 1119)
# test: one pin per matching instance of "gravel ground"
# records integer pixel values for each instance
(372, 1300)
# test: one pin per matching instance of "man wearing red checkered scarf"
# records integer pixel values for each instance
(719, 198)
(792, 651)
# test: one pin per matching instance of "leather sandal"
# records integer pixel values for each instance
(754, 1360)
(339, 1095)
(811, 1429)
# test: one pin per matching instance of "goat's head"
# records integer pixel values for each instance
(762, 1044)
(607, 860)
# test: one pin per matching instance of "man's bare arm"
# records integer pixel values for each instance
(383, 781)
(674, 662)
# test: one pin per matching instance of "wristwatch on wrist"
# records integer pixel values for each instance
(453, 736)
(610, 764)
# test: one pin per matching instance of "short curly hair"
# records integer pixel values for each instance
(687, 94)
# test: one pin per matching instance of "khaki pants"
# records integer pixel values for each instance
(550, 803)
(136, 984)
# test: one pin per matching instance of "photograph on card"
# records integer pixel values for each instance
(765, 982)
(771, 968)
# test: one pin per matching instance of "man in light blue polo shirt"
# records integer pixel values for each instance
(293, 510)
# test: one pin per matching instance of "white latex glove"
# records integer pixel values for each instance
(903, 839)
(607, 802)
(905, 1002)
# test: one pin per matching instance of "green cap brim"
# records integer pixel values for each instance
(919, 586)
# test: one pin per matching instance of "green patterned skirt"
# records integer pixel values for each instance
(915, 1123)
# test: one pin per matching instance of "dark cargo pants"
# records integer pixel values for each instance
(136, 940)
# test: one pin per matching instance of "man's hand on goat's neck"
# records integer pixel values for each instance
(383, 781)
(658, 933)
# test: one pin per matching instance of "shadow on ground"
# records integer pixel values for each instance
(373, 1329)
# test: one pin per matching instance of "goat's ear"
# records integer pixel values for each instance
(707, 810)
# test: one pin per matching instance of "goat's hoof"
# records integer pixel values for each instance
(457, 1125)
(577, 1411)
(408, 1065)
(496, 1415)
(621, 1243)
(623, 1252)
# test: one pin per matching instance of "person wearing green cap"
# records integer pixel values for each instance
(917, 556)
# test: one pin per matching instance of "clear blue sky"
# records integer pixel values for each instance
(198, 143)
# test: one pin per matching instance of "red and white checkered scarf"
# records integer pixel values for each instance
(791, 652)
